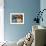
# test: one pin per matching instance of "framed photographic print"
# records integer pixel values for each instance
(16, 18)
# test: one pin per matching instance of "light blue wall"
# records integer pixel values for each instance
(43, 6)
(29, 8)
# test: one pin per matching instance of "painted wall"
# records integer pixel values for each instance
(29, 8)
(43, 6)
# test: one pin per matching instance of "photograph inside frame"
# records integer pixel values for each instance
(17, 18)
